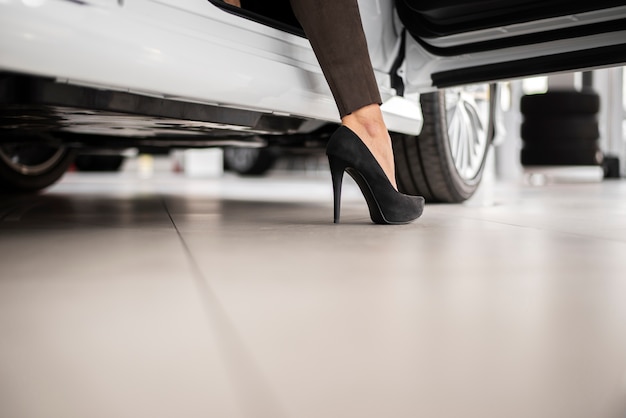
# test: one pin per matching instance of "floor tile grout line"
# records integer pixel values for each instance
(256, 397)
(543, 229)
(196, 271)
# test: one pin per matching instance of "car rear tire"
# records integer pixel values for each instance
(445, 162)
(99, 163)
(31, 167)
(249, 161)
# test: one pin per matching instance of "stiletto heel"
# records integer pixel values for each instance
(337, 167)
(347, 153)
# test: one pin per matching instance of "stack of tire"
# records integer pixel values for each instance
(561, 128)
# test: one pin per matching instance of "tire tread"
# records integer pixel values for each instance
(423, 164)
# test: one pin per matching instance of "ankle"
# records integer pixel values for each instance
(368, 124)
(367, 120)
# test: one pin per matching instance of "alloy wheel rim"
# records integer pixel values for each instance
(242, 158)
(21, 160)
(467, 113)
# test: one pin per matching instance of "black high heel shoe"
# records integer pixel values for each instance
(346, 152)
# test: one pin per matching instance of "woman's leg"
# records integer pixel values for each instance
(336, 34)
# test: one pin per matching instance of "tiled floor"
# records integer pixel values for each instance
(174, 297)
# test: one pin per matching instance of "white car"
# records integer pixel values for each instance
(107, 74)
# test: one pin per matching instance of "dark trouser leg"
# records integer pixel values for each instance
(335, 31)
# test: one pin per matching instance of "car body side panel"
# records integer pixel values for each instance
(421, 66)
(156, 49)
(193, 51)
(188, 50)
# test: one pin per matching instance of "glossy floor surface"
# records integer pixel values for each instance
(122, 296)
